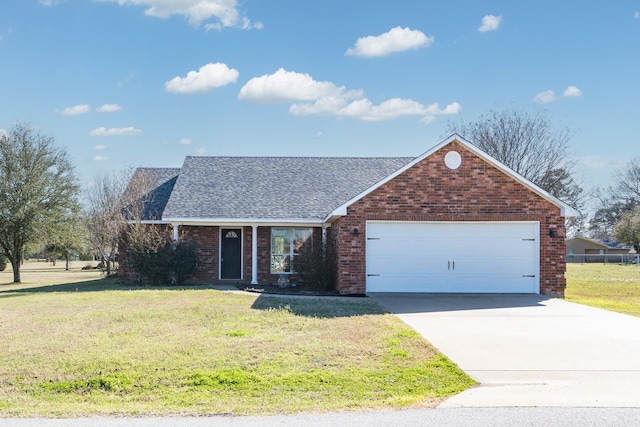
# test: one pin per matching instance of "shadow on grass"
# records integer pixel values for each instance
(98, 285)
(320, 307)
(105, 284)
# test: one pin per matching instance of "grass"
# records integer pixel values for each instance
(610, 286)
(73, 344)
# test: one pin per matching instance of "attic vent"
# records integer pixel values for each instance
(453, 160)
(231, 235)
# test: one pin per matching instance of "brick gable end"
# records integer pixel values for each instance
(430, 191)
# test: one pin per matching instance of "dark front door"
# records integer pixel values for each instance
(231, 253)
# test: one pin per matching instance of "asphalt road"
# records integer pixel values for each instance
(450, 417)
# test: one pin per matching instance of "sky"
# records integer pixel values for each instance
(128, 83)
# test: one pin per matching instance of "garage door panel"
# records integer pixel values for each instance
(452, 257)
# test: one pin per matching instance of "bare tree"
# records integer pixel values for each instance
(37, 189)
(148, 242)
(614, 202)
(120, 206)
(104, 216)
(627, 183)
(529, 143)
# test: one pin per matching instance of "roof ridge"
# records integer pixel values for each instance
(301, 157)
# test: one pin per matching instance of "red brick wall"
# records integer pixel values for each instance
(429, 191)
(208, 240)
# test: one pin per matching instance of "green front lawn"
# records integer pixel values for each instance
(98, 348)
(610, 286)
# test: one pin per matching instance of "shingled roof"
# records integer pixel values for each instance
(272, 188)
(162, 181)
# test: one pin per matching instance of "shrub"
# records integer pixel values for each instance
(316, 265)
(153, 266)
(184, 261)
(3, 262)
(168, 264)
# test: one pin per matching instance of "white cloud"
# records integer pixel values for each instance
(100, 147)
(545, 97)
(572, 92)
(490, 23)
(51, 2)
(201, 151)
(185, 141)
(208, 77)
(319, 134)
(99, 158)
(128, 131)
(636, 15)
(194, 11)
(397, 39)
(244, 24)
(75, 110)
(285, 86)
(390, 109)
(549, 96)
(108, 108)
(310, 97)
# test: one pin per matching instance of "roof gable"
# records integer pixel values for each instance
(565, 209)
(157, 185)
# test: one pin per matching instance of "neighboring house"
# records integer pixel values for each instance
(581, 249)
(583, 246)
(451, 220)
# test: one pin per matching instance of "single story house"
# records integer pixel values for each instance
(583, 246)
(582, 249)
(450, 220)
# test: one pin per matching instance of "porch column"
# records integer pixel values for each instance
(324, 237)
(254, 254)
(175, 233)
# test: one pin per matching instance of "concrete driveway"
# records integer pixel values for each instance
(529, 350)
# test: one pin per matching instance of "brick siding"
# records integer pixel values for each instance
(429, 191)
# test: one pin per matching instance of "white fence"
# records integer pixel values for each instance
(606, 259)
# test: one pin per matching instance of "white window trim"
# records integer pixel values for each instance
(291, 252)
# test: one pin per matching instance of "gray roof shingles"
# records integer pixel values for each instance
(272, 188)
(164, 179)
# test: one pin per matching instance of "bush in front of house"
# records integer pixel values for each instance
(168, 264)
(3, 262)
(184, 261)
(153, 267)
(315, 264)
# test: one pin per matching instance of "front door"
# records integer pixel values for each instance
(231, 254)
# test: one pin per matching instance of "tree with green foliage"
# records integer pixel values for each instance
(37, 190)
(68, 238)
(627, 230)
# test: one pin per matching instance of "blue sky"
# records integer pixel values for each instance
(123, 83)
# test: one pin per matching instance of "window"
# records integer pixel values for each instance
(286, 244)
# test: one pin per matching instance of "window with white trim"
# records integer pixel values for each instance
(286, 244)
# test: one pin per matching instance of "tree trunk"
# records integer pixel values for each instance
(66, 258)
(15, 264)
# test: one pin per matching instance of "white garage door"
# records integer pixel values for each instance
(474, 257)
